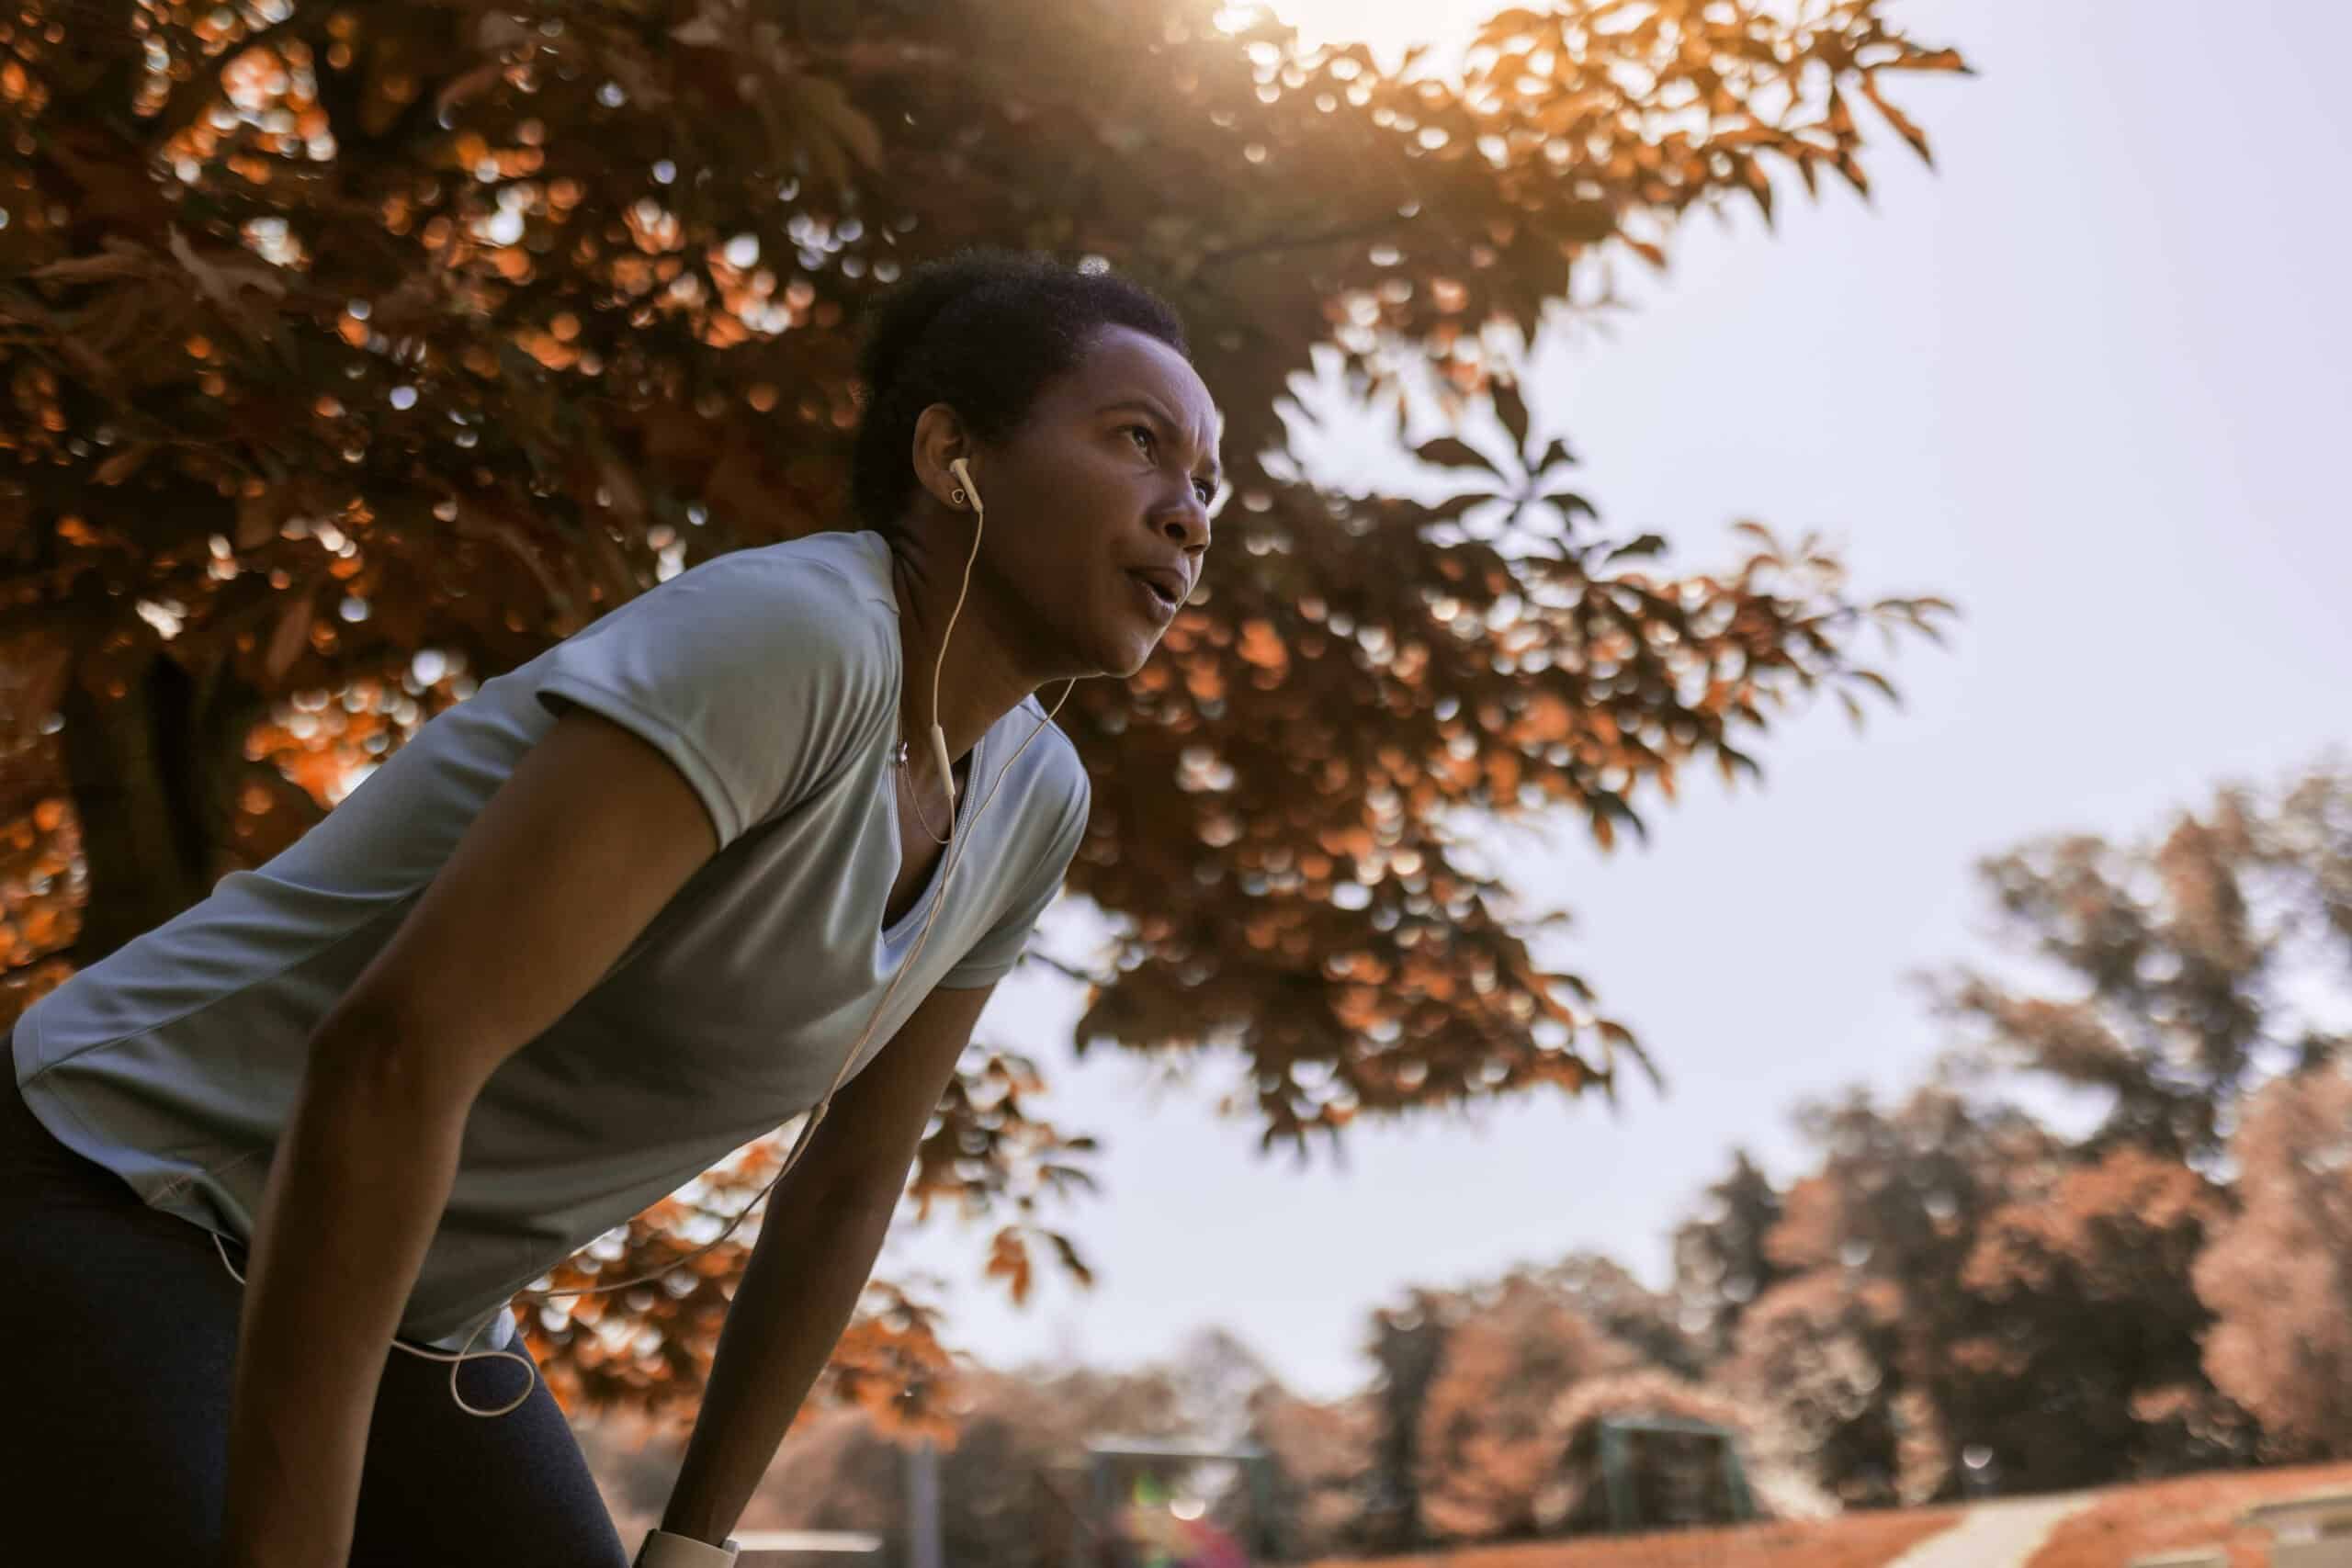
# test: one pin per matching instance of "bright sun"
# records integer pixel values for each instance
(1388, 26)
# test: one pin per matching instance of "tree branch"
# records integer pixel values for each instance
(1368, 228)
(1101, 982)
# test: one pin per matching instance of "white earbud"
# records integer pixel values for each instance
(961, 468)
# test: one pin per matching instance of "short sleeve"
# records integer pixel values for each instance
(989, 959)
(752, 674)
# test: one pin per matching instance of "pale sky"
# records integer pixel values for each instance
(2090, 380)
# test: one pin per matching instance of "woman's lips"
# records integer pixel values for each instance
(1158, 602)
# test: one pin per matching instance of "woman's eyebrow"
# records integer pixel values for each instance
(1152, 407)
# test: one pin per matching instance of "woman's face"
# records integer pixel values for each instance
(1098, 509)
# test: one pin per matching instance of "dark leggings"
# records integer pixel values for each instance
(118, 1340)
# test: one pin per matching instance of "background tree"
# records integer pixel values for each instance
(1721, 1263)
(2278, 1276)
(357, 351)
(1604, 1293)
(2091, 1335)
(1406, 1343)
(1321, 1456)
(1848, 1346)
(1970, 1300)
(2169, 961)
(2079, 1311)
(1487, 1445)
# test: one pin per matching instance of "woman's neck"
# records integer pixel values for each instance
(981, 679)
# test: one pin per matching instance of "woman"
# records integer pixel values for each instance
(630, 906)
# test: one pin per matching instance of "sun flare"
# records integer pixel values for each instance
(1389, 27)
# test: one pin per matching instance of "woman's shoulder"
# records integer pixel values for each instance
(836, 570)
(822, 600)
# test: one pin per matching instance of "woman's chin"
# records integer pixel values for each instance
(1118, 648)
(1137, 653)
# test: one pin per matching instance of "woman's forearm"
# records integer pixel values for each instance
(357, 1185)
(811, 1266)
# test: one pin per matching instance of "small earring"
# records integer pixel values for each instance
(956, 496)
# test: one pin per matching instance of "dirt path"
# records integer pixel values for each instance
(1994, 1535)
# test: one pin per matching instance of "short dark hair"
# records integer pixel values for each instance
(982, 330)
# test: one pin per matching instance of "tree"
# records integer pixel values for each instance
(2169, 957)
(1465, 1441)
(2096, 1365)
(1872, 1343)
(1961, 1281)
(2077, 1313)
(2278, 1275)
(358, 351)
(1721, 1263)
(1845, 1345)
(1321, 1459)
(1488, 1443)
(1406, 1344)
(1604, 1293)
(1823, 1352)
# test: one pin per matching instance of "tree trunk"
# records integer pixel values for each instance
(156, 777)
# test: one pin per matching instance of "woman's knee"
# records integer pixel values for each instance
(449, 1487)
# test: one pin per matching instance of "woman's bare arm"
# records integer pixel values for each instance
(584, 844)
(824, 1225)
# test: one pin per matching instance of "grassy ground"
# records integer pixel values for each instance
(2175, 1516)
(1858, 1541)
(2121, 1524)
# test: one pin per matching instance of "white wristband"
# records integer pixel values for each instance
(663, 1550)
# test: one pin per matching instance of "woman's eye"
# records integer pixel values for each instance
(1202, 488)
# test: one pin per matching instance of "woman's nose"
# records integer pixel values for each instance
(1188, 525)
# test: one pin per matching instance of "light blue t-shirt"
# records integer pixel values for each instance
(771, 678)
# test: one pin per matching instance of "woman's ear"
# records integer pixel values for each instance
(941, 442)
